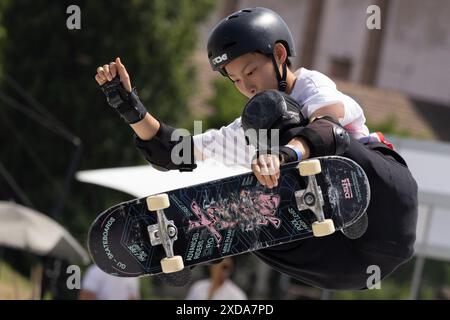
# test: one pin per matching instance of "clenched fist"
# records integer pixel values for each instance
(109, 71)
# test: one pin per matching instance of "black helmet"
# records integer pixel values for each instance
(248, 30)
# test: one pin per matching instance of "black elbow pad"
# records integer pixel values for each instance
(166, 154)
(324, 135)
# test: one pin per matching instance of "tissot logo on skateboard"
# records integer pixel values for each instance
(347, 187)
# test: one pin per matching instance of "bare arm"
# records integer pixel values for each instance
(146, 128)
(336, 111)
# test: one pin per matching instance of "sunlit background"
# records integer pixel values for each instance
(55, 126)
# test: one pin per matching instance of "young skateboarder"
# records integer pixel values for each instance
(252, 48)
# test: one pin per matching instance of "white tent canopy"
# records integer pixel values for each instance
(29, 230)
(429, 162)
(141, 181)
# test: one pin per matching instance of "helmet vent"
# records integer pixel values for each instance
(233, 16)
(246, 10)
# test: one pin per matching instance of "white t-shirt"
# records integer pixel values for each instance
(107, 287)
(228, 291)
(312, 90)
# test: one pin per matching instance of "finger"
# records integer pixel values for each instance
(123, 74)
(101, 72)
(273, 180)
(121, 68)
(269, 182)
(262, 160)
(273, 171)
(107, 73)
(257, 171)
(113, 69)
(270, 163)
(264, 163)
(265, 172)
(101, 76)
(99, 79)
(277, 165)
(270, 179)
(263, 166)
(273, 167)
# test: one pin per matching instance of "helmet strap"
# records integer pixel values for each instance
(282, 83)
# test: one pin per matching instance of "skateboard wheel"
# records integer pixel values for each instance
(323, 228)
(174, 264)
(309, 167)
(158, 202)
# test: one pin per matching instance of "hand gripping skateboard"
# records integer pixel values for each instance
(202, 223)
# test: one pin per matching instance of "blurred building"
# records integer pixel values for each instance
(399, 72)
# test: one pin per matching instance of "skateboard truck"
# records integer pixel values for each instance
(164, 233)
(166, 239)
(311, 198)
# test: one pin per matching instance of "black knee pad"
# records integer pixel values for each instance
(270, 110)
(324, 136)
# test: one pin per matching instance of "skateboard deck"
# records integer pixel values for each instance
(226, 217)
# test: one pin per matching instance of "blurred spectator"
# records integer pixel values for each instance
(98, 285)
(219, 285)
(443, 293)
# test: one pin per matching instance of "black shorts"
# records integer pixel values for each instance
(338, 263)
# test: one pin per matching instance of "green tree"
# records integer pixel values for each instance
(389, 126)
(227, 102)
(56, 66)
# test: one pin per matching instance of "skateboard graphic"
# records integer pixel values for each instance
(199, 224)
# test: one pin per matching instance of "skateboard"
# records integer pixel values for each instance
(167, 232)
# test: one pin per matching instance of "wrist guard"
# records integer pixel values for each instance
(285, 154)
(127, 104)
